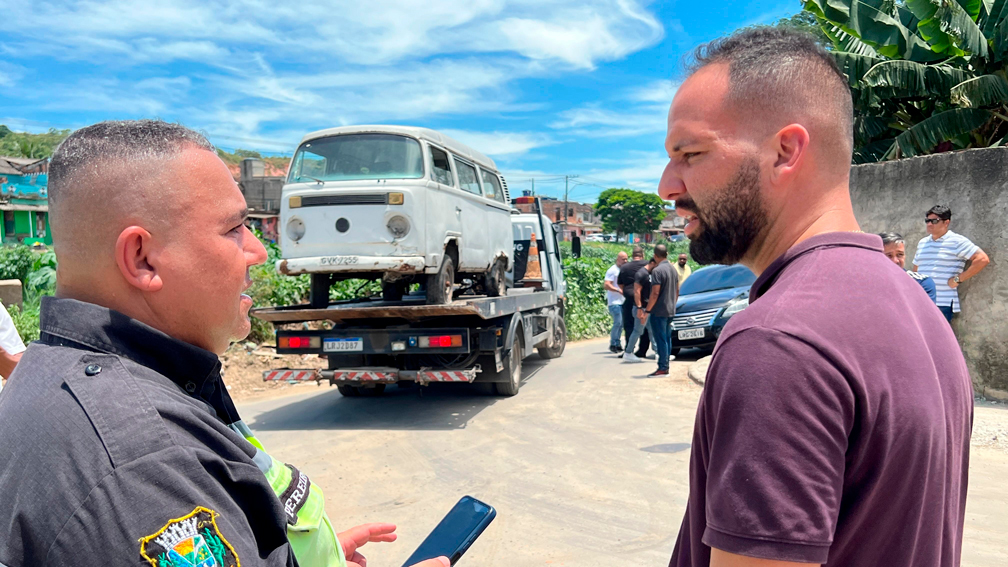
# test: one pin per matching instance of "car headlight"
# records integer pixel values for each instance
(295, 229)
(399, 226)
(735, 305)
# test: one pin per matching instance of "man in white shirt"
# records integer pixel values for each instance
(942, 255)
(11, 345)
(614, 297)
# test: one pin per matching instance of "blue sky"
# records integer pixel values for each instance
(548, 89)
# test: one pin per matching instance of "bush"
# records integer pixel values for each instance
(15, 261)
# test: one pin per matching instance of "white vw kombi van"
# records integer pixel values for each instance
(394, 203)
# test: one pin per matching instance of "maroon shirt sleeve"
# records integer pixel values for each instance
(778, 416)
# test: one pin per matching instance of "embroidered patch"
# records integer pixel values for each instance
(190, 541)
(294, 497)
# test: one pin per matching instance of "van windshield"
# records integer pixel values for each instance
(350, 157)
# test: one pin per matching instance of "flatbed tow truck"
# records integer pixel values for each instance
(373, 343)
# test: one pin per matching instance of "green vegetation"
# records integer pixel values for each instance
(37, 272)
(926, 75)
(23, 144)
(625, 211)
(236, 157)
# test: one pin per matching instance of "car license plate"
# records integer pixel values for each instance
(691, 334)
(343, 345)
(339, 260)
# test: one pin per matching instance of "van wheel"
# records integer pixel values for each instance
(392, 291)
(559, 341)
(512, 369)
(494, 280)
(441, 285)
(318, 294)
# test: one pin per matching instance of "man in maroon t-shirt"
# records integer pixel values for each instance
(815, 440)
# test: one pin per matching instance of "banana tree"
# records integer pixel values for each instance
(926, 75)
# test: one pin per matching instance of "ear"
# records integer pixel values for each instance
(134, 257)
(791, 144)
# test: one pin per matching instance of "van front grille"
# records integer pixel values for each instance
(328, 200)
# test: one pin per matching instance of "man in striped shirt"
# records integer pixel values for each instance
(943, 254)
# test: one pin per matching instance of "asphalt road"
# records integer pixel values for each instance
(586, 466)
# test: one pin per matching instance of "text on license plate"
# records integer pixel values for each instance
(691, 334)
(338, 260)
(343, 345)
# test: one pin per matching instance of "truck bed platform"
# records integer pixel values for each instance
(412, 308)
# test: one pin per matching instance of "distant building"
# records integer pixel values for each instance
(671, 225)
(580, 219)
(261, 183)
(24, 194)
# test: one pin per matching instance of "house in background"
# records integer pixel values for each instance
(24, 194)
(261, 183)
(672, 225)
(580, 219)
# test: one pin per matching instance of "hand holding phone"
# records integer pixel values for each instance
(456, 532)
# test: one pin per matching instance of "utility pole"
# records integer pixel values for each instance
(533, 186)
(567, 179)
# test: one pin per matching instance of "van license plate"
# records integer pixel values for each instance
(339, 260)
(691, 334)
(343, 345)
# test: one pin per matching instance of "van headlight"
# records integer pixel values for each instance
(295, 229)
(399, 226)
(735, 305)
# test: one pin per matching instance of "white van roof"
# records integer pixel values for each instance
(454, 146)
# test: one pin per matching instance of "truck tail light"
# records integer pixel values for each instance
(441, 341)
(299, 342)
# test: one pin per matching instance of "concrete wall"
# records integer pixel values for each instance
(974, 184)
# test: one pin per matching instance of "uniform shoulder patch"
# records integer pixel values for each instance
(190, 541)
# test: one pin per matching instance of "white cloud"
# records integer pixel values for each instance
(497, 144)
(639, 111)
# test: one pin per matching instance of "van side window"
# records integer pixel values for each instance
(491, 186)
(467, 178)
(440, 168)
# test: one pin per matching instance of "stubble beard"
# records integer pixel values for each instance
(733, 221)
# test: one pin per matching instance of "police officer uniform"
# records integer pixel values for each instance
(120, 445)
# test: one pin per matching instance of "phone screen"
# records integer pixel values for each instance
(456, 532)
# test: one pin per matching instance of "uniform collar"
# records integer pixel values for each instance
(942, 238)
(93, 327)
(828, 240)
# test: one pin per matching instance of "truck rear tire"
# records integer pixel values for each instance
(512, 369)
(441, 285)
(318, 293)
(347, 390)
(559, 341)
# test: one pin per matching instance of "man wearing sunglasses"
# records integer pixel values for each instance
(943, 254)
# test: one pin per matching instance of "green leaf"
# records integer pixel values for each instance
(874, 151)
(845, 42)
(971, 7)
(902, 78)
(988, 90)
(994, 18)
(855, 66)
(948, 28)
(925, 135)
(868, 127)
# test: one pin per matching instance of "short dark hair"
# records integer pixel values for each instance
(661, 251)
(891, 238)
(638, 252)
(940, 211)
(769, 66)
(117, 141)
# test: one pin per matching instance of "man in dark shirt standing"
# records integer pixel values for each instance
(661, 307)
(120, 443)
(811, 444)
(626, 280)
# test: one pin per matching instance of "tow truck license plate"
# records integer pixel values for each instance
(343, 345)
(691, 334)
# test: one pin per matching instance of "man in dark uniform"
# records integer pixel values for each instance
(120, 443)
(626, 282)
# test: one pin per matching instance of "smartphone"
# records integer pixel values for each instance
(456, 532)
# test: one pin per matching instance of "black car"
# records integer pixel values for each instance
(707, 299)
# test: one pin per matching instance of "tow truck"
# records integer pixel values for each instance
(370, 343)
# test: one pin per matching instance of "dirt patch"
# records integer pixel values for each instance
(244, 364)
(990, 425)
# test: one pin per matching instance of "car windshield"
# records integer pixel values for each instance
(351, 157)
(717, 277)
